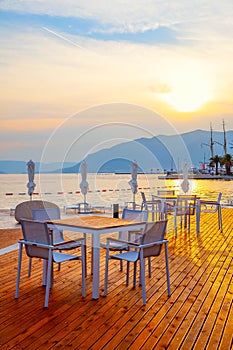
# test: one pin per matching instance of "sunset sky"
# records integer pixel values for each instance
(98, 72)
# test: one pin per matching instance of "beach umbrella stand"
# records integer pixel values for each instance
(185, 182)
(31, 173)
(133, 182)
(84, 184)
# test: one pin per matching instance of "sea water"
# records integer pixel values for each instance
(104, 189)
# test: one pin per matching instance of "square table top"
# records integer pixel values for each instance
(94, 222)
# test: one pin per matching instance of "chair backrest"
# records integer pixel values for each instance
(24, 210)
(154, 232)
(185, 205)
(143, 197)
(134, 215)
(37, 232)
(166, 192)
(144, 203)
(46, 214)
(219, 197)
(49, 214)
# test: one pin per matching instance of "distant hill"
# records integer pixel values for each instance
(20, 167)
(154, 154)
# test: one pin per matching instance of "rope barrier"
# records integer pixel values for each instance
(90, 191)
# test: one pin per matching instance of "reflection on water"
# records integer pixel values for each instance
(104, 189)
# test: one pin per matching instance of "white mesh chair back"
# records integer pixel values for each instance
(144, 205)
(132, 215)
(219, 197)
(154, 232)
(37, 232)
(46, 214)
(185, 205)
(49, 214)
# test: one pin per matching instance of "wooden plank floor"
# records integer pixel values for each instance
(198, 314)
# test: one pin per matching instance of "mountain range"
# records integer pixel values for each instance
(157, 154)
(154, 154)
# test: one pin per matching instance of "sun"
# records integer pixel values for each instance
(189, 91)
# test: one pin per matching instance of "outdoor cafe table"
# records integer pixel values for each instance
(173, 199)
(96, 226)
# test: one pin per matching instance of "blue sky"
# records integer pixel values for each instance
(69, 67)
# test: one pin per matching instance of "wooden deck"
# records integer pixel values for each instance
(198, 315)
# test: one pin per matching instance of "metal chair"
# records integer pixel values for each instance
(132, 215)
(38, 243)
(213, 207)
(58, 239)
(24, 209)
(184, 207)
(150, 245)
(153, 206)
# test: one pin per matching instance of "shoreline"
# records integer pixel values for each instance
(196, 177)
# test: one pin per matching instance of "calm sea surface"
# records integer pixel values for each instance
(104, 189)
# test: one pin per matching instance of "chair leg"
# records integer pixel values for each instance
(220, 218)
(106, 273)
(175, 225)
(121, 265)
(92, 250)
(19, 270)
(127, 273)
(149, 267)
(185, 221)
(134, 274)
(48, 282)
(29, 266)
(84, 271)
(142, 275)
(85, 254)
(59, 264)
(44, 278)
(167, 269)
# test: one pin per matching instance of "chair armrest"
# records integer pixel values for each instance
(209, 203)
(122, 241)
(40, 245)
(66, 242)
(153, 243)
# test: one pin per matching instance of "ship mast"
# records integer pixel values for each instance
(225, 141)
(211, 142)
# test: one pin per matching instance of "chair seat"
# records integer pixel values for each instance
(131, 256)
(151, 243)
(60, 257)
(68, 245)
(37, 241)
(115, 246)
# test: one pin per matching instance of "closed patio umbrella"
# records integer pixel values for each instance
(31, 173)
(185, 182)
(84, 184)
(133, 182)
